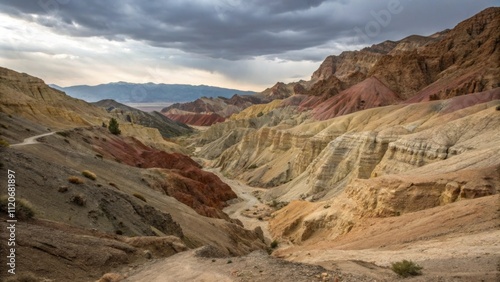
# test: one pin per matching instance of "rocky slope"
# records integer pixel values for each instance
(29, 97)
(103, 202)
(447, 64)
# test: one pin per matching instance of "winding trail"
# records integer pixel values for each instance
(32, 140)
(248, 201)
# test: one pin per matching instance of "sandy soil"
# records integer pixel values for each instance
(246, 202)
(257, 266)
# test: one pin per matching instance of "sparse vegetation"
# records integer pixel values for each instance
(114, 127)
(63, 133)
(253, 166)
(75, 180)
(229, 261)
(89, 174)
(260, 114)
(498, 108)
(79, 199)
(139, 196)
(24, 209)
(278, 204)
(4, 143)
(406, 268)
(274, 244)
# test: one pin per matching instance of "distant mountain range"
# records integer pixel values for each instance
(125, 92)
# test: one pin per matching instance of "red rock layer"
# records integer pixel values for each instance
(365, 95)
(183, 178)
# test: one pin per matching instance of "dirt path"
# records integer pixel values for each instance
(247, 201)
(31, 140)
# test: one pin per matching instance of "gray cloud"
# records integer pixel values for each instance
(237, 29)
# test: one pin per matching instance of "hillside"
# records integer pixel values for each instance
(392, 141)
(167, 127)
(101, 202)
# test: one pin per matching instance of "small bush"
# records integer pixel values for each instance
(89, 174)
(254, 166)
(406, 268)
(75, 180)
(79, 199)
(498, 108)
(260, 114)
(4, 143)
(229, 261)
(63, 133)
(274, 244)
(139, 196)
(24, 209)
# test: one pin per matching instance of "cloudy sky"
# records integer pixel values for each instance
(240, 44)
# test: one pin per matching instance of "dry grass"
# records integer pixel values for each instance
(75, 180)
(24, 209)
(89, 174)
(406, 268)
(139, 196)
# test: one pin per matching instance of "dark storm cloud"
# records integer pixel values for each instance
(237, 29)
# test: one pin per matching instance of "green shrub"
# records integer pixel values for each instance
(139, 196)
(4, 143)
(89, 174)
(75, 180)
(406, 268)
(274, 244)
(114, 127)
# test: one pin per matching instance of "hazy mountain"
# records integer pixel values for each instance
(125, 92)
(167, 127)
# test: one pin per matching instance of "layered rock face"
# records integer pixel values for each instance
(444, 65)
(31, 98)
(370, 162)
(175, 175)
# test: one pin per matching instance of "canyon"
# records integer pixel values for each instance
(386, 154)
